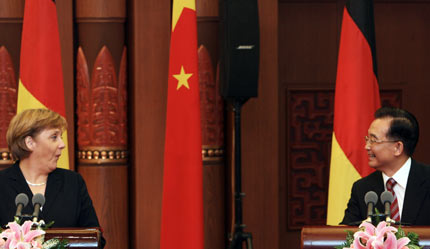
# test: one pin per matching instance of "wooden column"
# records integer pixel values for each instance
(148, 36)
(101, 82)
(212, 123)
(11, 13)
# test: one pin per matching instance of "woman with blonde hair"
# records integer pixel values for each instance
(35, 142)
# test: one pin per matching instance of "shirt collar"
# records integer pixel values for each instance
(401, 176)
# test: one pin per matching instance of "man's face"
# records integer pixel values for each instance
(379, 147)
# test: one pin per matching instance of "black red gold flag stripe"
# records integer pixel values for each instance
(356, 100)
(41, 73)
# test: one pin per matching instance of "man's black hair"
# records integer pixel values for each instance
(404, 127)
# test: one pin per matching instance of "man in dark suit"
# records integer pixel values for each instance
(390, 143)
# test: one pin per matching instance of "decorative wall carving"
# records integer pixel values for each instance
(310, 127)
(8, 100)
(211, 109)
(101, 109)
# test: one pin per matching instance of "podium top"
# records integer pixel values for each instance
(85, 238)
(327, 237)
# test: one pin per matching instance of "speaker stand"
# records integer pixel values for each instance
(239, 236)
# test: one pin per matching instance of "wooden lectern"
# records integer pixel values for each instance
(327, 237)
(87, 238)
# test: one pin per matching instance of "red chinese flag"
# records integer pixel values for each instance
(41, 74)
(356, 100)
(182, 208)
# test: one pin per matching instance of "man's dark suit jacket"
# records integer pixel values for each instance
(68, 203)
(416, 205)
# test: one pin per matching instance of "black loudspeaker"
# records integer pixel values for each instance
(240, 48)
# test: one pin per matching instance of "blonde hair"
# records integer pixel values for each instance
(30, 123)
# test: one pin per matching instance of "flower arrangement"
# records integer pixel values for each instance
(24, 237)
(384, 236)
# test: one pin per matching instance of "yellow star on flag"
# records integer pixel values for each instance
(182, 78)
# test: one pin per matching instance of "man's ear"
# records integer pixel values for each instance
(29, 142)
(398, 148)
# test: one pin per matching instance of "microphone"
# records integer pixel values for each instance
(38, 201)
(370, 199)
(21, 201)
(387, 198)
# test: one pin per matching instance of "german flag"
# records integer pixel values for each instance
(41, 73)
(182, 206)
(356, 100)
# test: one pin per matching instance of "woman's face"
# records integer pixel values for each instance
(46, 148)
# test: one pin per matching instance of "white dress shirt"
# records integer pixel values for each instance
(401, 177)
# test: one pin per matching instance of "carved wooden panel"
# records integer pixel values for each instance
(310, 128)
(391, 98)
(101, 109)
(211, 109)
(8, 99)
(83, 99)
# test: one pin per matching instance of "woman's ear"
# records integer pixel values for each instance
(29, 142)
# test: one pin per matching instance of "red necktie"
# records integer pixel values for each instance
(395, 214)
